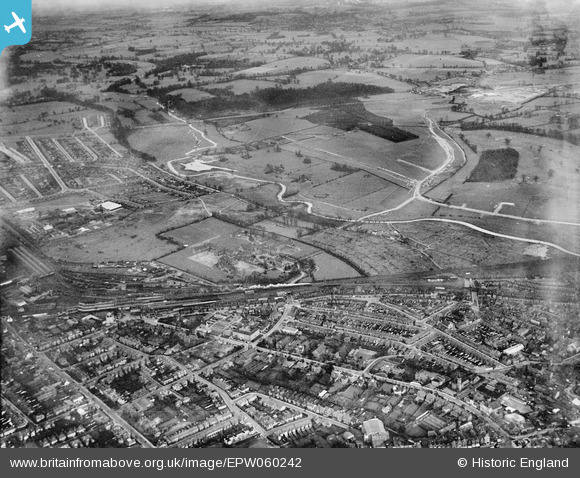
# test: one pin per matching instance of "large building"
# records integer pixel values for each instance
(374, 432)
(109, 206)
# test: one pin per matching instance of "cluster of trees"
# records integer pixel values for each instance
(15, 70)
(518, 128)
(231, 63)
(117, 86)
(354, 115)
(269, 169)
(343, 168)
(469, 144)
(142, 51)
(233, 17)
(127, 113)
(121, 134)
(468, 52)
(337, 46)
(119, 69)
(267, 98)
(175, 62)
(496, 165)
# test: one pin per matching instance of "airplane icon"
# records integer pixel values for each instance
(18, 22)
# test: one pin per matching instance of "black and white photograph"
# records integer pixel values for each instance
(291, 224)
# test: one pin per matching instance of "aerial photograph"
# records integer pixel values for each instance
(290, 224)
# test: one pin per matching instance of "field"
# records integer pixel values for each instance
(271, 127)
(433, 61)
(345, 167)
(358, 192)
(535, 191)
(312, 78)
(349, 117)
(435, 43)
(308, 155)
(277, 226)
(329, 267)
(127, 242)
(295, 169)
(167, 142)
(311, 171)
(53, 117)
(239, 87)
(389, 105)
(131, 239)
(362, 150)
(285, 66)
(191, 94)
(508, 94)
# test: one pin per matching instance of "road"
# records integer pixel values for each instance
(489, 232)
(30, 185)
(7, 194)
(213, 143)
(236, 411)
(445, 142)
(417, 386)
(63, 151)
(369, 367)
(278, 324)
(283, 403)
(47, 165)
(115, 152)
(144, 442)
(444, 310)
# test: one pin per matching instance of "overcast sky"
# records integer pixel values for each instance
(57, 6)
(80, 4)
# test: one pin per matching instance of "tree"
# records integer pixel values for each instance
(551, 173)
(508, 141)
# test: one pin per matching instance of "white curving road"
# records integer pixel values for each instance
(446, 143)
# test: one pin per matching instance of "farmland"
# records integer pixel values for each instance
(284, 66)
(433, 61)
(166, 142)
(350, 123)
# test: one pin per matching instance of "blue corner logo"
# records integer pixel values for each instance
(15, 22)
